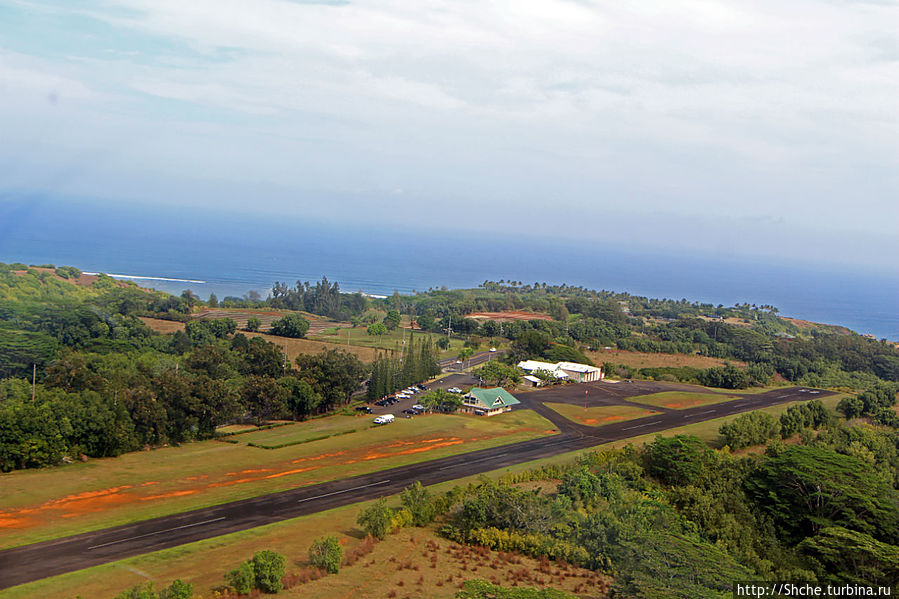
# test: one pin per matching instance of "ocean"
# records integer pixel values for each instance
(231, 255)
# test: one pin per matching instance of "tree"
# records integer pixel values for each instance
(326, 553)
(853, 557)
(268, 570)
(334, 375)
(805, 489)
(376, 328)
(301, 400)
(465, 353)
(213, 301)
(679, 460)
(851, 407)
(375, 519)
(177, 590)
(292, 325)
(392, 320)
(264, 398)
(441, 400)
(254, 323)
(418, 501)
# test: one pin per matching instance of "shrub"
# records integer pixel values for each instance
(268, 569)
(178, 590)
(326, 553)
(242, 579)
(376, 519)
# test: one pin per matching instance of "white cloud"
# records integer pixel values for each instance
(725, 108)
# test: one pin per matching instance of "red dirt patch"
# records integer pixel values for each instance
(508, 316)
(595, 421)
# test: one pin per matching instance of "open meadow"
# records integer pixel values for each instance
(598, 416)
(679, 400)
(37, 505)
(633, 359)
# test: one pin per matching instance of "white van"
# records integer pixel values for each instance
(385, 419)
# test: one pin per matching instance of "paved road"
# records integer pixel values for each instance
(32, 562)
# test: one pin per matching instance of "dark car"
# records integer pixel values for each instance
(410, 411)
(364, 409)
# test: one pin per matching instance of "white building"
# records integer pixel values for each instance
(579, 373)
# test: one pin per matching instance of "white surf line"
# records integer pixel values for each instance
(383, 482)
(94, 274)
(641, 425)
(158, 532)
(475, 461)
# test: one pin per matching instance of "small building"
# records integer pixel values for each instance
(532, 380)
(488, 402)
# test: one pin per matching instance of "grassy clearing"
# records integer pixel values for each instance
(304, 431)
(601, 415)
(634, 359)
(679, 400)
(38, 505)
(392, 341)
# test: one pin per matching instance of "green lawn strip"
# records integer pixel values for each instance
(600, 415)
(679, 400)
(192, 562)
(301, 441)
(174, 465)
(319, 428)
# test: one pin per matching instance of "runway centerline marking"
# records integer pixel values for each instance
(158, 532)
(641, 425)
(474, 461)
(344, 491)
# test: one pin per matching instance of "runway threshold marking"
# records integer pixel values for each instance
(158, 532)
(382, 482)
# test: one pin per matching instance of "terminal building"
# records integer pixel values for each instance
(488, 402)
(579, 373)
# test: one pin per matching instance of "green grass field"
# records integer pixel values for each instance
(679, 400)
(601, 415)
(305, 431)
(393, 340)
(37, 505)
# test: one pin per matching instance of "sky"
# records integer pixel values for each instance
(751, 128)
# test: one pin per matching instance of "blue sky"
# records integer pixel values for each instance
(756, 128)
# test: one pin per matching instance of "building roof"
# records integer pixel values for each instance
(575, 367)
(493, 399)
(536, 365)
(532, 378)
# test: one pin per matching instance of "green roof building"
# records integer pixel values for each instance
(488, 402)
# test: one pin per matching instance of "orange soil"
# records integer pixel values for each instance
(162, 326)
(99, 500)
(509, 315)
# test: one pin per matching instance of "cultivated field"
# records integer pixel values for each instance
(634, 359)
(317, 324)
(677, 400)
(601, 415)
(508, 316)
(49, 503)
(162, 326)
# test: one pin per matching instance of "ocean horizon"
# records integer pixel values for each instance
(227, 255)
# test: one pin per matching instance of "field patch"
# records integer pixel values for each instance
(162, 326)
(509, 315)
(679, 400)
(633, 359)
(600, 415)
(44, 504)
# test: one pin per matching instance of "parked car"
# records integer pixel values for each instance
(492, 349)
(365, 409)
(385, 419)
(410, 411)
(419, 407)
(454, 390)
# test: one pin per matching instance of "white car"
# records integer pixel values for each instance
(454, 390)
(492, 349)
(418, 407)
(385, 419)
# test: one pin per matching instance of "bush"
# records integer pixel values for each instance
(292, 325)
(178, 590)
(326, 553)
(268, 569)
(749, 429)
(242, 579)
(376, 519)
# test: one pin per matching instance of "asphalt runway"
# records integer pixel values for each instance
(33, 562)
